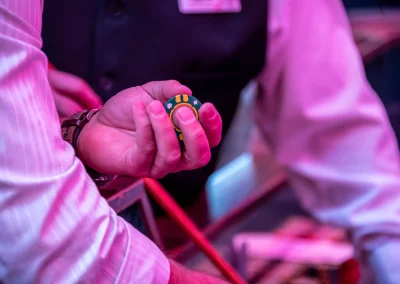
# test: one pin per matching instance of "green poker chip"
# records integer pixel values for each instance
(182, 100)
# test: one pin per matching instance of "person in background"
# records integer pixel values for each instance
(383, 71)
(315, 107)
(95, 46)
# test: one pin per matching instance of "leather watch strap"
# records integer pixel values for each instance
(71, 129)
(72, 126)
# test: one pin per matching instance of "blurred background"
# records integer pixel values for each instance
(246, 166)
(243, 192)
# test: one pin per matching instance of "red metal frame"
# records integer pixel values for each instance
(179, 216)
(127, 192)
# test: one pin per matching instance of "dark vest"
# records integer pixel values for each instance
(116, 44)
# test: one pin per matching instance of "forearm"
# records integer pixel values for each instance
(55, 227)
(330, 130)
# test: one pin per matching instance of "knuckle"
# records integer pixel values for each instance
(136, 89)
(158, 175)
(197, 134)
(215, 127)
(81, 85)
(149, 148)
(204, 160)
(167, 132)
(173, 82)
(158, 170)
(171, 158)
(195, 163)
(144, 125)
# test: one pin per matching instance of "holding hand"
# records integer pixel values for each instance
(133, 135)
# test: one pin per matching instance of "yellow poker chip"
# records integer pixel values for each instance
(182, 100)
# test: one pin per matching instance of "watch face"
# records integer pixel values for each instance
(99, 178)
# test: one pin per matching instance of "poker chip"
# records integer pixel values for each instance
(182, 100)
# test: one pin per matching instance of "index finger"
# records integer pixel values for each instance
(164, 90)
(197, 150)
(212, 123)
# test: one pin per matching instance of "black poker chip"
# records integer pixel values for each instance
(182, 100)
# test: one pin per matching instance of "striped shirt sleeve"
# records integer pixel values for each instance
(55, 227)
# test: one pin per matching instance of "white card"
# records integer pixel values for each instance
(209, 6)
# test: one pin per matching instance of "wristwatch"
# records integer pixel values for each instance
(71, 128)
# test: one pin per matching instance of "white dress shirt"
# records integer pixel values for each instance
(322, 119)
(54, 225)
(329, 129)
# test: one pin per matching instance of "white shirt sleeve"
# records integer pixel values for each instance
(329, 129)
(55, 227)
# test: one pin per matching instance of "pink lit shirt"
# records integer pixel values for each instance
(329, 129)
(322, 119)
(54, 225)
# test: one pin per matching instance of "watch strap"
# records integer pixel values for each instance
(71, 128)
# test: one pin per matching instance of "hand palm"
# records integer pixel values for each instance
(121, 138)
(117, 130)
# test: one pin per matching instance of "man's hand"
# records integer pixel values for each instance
(133, 135)
(71, 94)
(182, 275)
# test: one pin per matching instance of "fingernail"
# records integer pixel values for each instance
(156, 108)
(185, 114)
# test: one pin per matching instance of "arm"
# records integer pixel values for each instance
(330, 130)
(182, 275)
(55, 227)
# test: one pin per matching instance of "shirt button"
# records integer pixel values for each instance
(106, 82)
(114, 7)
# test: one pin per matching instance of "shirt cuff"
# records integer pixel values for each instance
(385, 262)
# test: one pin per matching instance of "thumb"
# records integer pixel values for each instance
(164, 90)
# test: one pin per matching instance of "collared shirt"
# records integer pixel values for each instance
(54, 225)
(329, 129)
(322, 119)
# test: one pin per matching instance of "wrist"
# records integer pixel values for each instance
(73, 126)
(77, 130)
(82, 143)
